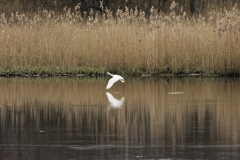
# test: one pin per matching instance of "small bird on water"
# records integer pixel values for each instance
(114, 79)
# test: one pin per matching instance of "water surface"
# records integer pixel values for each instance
(144, 118)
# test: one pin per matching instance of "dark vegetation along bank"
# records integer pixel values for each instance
(191, 7)
(131, 37)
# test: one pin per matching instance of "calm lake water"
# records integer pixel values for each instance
(144, 118)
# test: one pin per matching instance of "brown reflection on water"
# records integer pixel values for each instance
(75, 111)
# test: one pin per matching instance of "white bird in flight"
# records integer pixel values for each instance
(114, 79)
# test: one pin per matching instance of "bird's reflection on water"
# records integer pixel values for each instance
(113, 102)
(69, 119)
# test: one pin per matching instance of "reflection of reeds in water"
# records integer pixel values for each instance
(207, 111)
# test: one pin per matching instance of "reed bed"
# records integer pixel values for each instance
(129, 43)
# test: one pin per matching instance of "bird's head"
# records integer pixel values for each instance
(122, 80)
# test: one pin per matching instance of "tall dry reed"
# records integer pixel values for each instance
(129, 43)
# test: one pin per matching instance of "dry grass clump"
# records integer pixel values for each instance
(53, 43)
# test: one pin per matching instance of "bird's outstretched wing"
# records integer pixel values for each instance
(111, 82)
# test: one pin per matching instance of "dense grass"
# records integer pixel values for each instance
(48, 43)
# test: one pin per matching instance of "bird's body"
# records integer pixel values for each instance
(114, 79)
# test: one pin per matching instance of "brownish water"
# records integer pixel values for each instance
(144, 118)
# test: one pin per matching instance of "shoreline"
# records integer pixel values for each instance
(10, 75)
